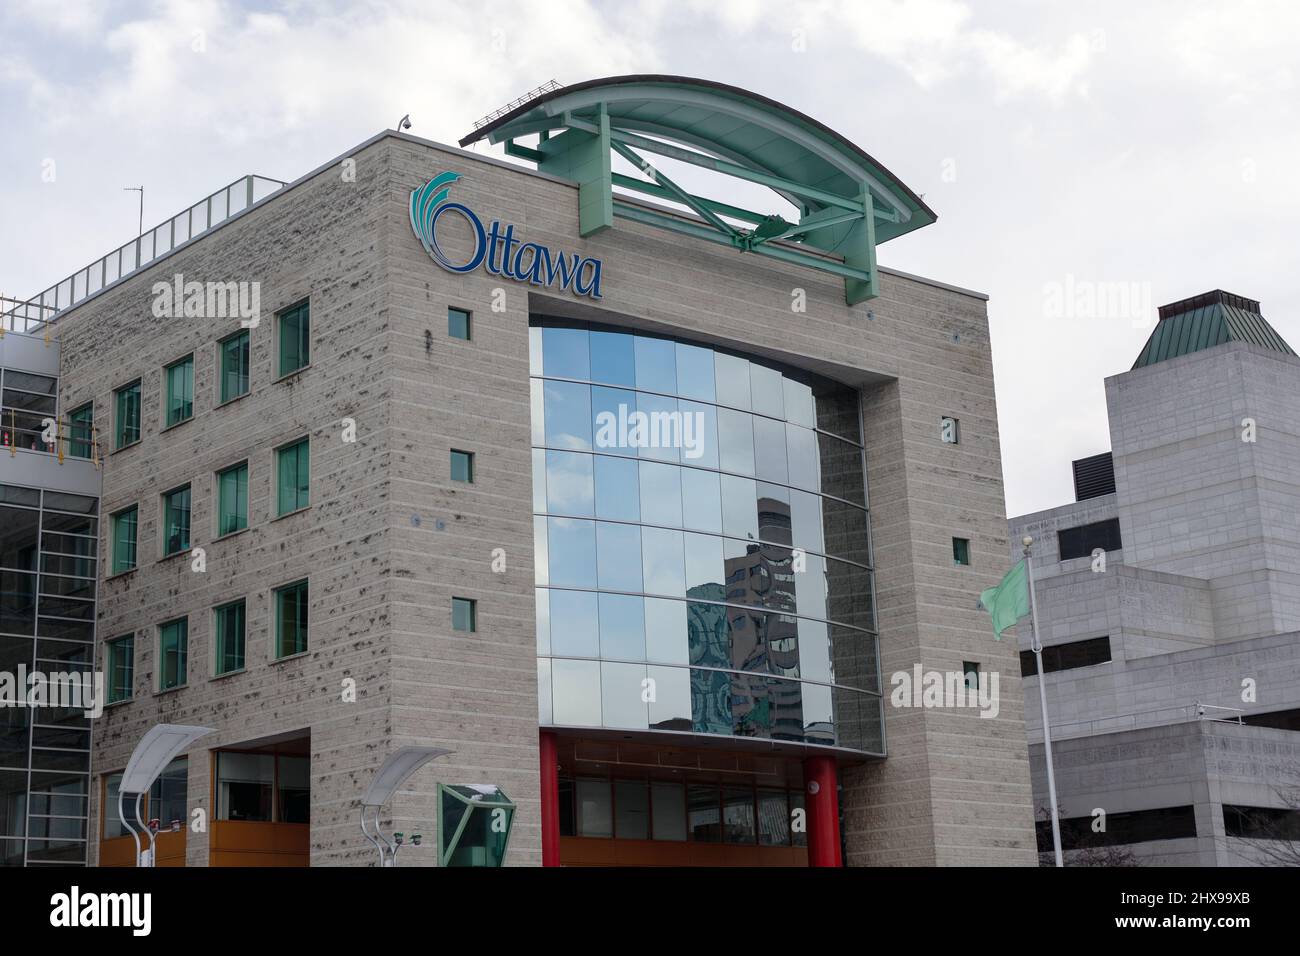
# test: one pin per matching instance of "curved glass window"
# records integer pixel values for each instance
(702, 543)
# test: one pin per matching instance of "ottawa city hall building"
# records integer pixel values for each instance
(632, 499)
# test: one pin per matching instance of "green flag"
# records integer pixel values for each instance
(1009, 601)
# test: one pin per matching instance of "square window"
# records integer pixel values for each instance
(124, 523)
(120, 664)
(173, 653)
(458, 323)
(293, 477)
(81, 430)
(295, 338)
(180, 391)
(961, 551)
(462, 465)
(290, 619)
(949, 430)
(463, 614)
(126, 402)
(232, 499)
(176, 521)
(229, 627)
(972, 671)
(232, 355)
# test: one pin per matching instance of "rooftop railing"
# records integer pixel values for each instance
(1156, 717)
(34, 314)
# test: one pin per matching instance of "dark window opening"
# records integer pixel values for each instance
(1080, 542)
(1064, 657)
(1261, 823)
(1140, 826)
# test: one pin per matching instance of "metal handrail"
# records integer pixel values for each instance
(67, 444)
(1130, 721)
(36, 313)
(514, 104)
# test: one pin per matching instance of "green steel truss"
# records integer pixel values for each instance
(848, 203)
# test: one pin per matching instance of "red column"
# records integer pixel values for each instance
(550, 799)
(822, 802)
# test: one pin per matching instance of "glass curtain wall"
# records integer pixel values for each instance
(48, 554)
(703, 558)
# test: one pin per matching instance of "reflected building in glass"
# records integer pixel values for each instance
(701, 527)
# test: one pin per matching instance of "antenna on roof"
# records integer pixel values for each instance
(140, 190)
(547, 87)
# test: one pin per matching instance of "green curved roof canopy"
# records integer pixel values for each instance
(848, 202)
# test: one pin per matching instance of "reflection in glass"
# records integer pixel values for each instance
(801, 453)
(656, 365)
(702, 451)
(618, 550)
(572, 546)
(740, 507)
(622, 695)
(575, 694)
(732, 376)
(738, 815)
(543, 597)
(565, 353)
(773, 818)
(703, 814)
(694, 372)
(735, 441)
(595, 809)
(769, 445)
(766, 391)
(622, 627)
(661, 494)
(799, 406)
(671, 707)
(665, 631)
(569, 483)
(568, 415)
(617, 494)
(613, 358)
(663, 438)
(663, 562)
(575, 627)
(631, 809)
(704, 570)
(668, 809)
(611, 411)
(545, 713)
(701, 500)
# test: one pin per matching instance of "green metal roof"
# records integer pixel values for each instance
(1205, 321)
(848, 202)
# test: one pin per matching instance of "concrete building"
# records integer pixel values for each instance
(1169, 598)
(382, 506)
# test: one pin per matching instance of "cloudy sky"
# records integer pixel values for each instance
(1072, 151)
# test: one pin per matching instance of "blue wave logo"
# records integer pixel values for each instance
(497, 248)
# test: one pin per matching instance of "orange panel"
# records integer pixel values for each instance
(120, 851)
(248, 843)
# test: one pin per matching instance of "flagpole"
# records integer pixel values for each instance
(1042, 700)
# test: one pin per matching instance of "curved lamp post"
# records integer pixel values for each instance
(153, 753)
(394, 771)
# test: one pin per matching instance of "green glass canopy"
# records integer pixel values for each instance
(847, 201)
(474, 823)
(1205, 321)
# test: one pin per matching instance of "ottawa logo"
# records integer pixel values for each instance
(496, 247)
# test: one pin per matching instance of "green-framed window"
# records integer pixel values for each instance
(961, 551)
(458, 323)
(124, 525)
(293, 477)
(126, 423)
(232, 499)
(290, 619)
(229, 621)
(232, 357)
(119, 661)
(295, 338)
(81, 429)
(464, 614)
(176, 521)
(462, 465)
(179, 377)
(173, 653)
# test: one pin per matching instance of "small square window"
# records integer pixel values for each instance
(458, 323)
(972, 671)
(462, 465)
(463, 614)
(961, 551)
(949, 430)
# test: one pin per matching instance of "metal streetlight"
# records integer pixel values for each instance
(156, 749)
(394, 771)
